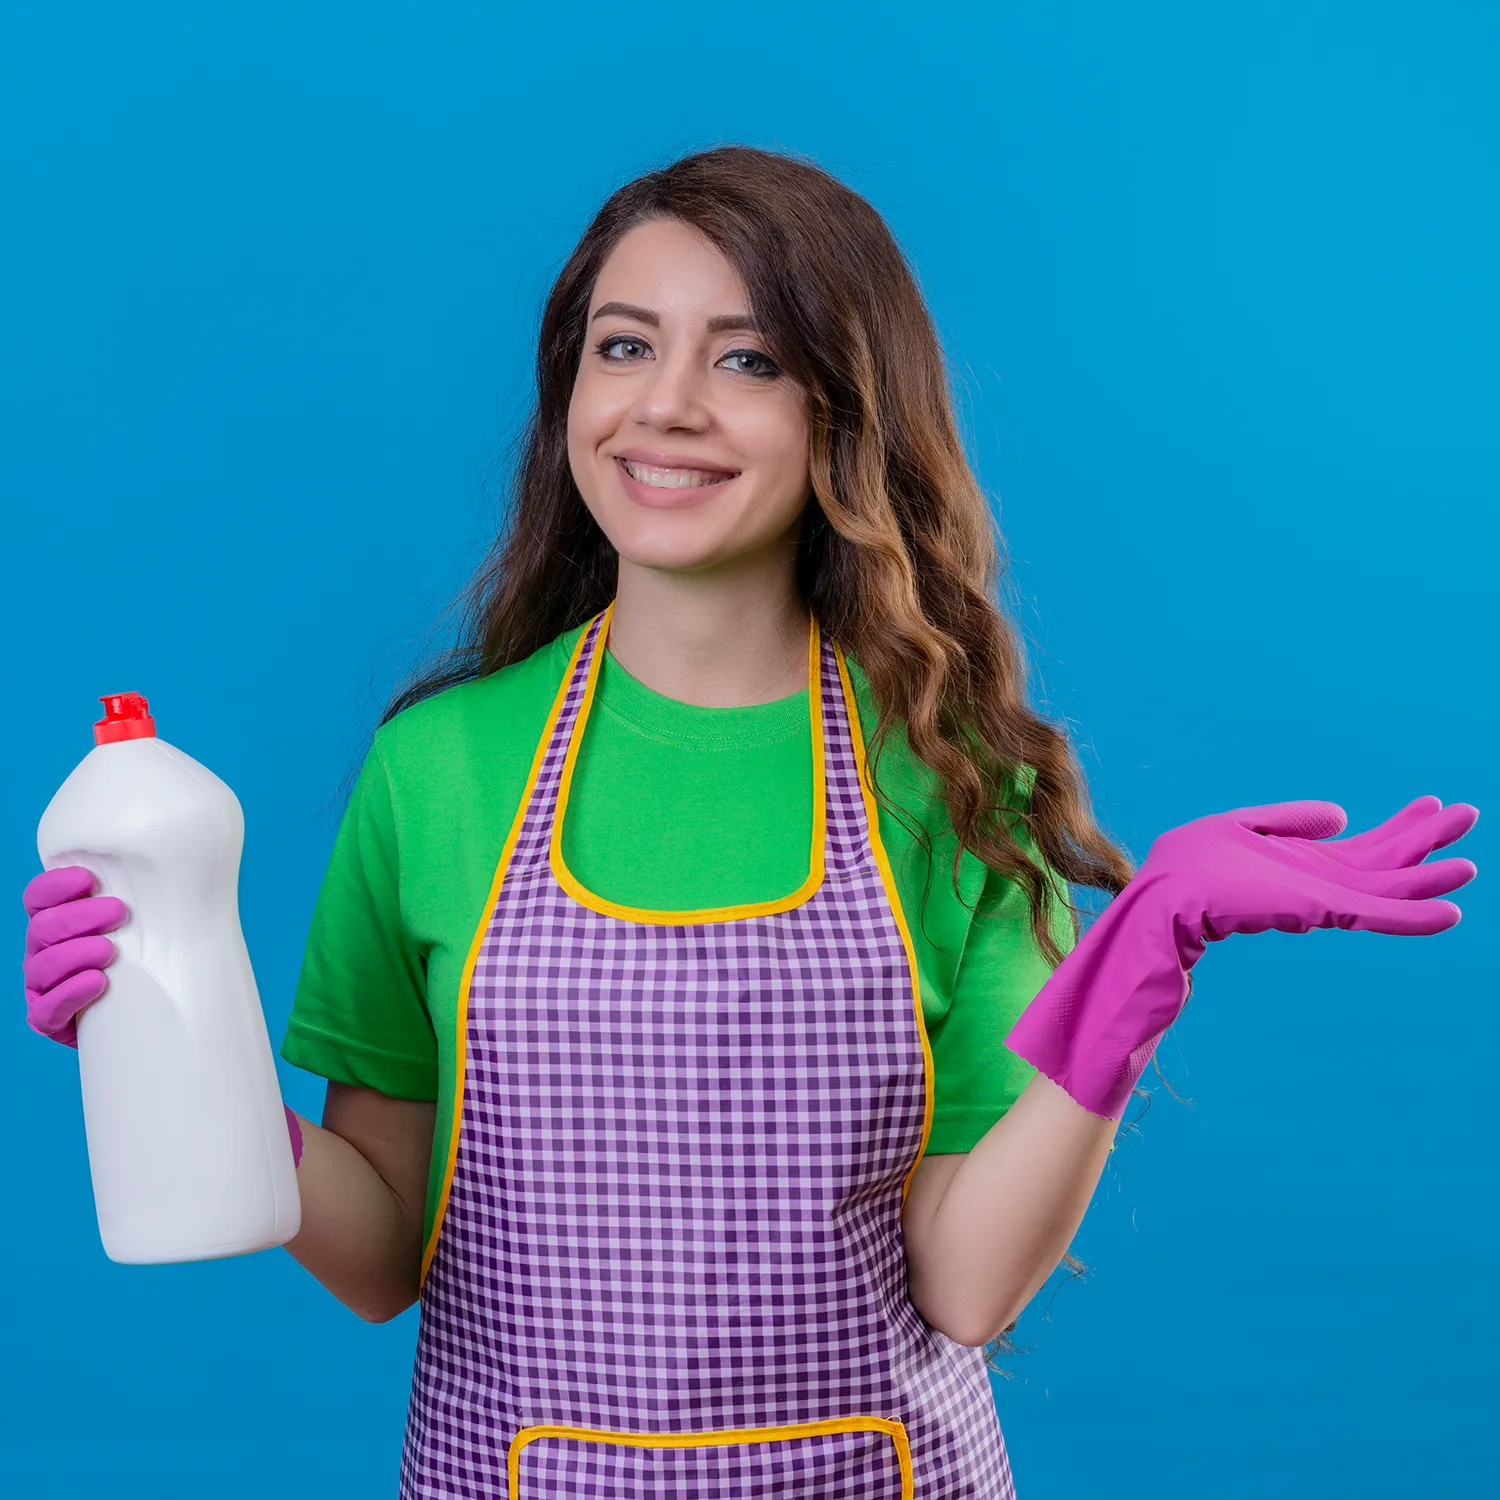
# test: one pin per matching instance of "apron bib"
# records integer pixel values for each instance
(667, 1262)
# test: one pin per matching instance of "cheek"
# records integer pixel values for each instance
(593, 407)
(578, 455)
(580, 413)
(781, 442)
(588, 425)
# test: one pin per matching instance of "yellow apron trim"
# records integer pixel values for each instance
(896, 1431)
(882, 860)
(467, 979)
(585, 897)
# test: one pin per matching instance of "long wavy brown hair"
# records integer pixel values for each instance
(900, 559)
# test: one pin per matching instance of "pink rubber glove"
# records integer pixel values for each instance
(1096, 1021)
(66, 955)
(294, 1129)
(66, 952)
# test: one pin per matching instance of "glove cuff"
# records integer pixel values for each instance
(1095, 1023)
(294, 1129)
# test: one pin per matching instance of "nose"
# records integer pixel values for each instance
(673, 393)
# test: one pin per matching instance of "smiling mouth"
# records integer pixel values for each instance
(674, 479)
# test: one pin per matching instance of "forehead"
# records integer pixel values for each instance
(673, 269)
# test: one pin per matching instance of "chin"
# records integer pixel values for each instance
(674, 543)
(671, 559)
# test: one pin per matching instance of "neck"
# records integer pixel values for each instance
(729, 638)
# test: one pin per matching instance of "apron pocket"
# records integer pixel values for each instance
(860, 1458)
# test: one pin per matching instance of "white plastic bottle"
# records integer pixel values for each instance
(187, 1136)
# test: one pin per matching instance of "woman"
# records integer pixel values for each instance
(701, 1073)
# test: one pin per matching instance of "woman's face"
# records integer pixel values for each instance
(688, 445)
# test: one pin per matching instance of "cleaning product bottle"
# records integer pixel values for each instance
(187, 1136)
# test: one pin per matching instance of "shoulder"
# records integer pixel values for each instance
(915, 821)
(485, 723)
(913, 773)
(901, 773)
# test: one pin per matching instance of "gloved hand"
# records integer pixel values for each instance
(1096, 1021)
(66, 952)
(66, 955)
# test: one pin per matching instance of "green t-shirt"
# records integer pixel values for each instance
(673, 807)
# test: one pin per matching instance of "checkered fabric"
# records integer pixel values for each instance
(675, 1205)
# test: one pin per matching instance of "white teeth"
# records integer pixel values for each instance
(672, 479)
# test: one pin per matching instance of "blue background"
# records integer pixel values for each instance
(1219, 287)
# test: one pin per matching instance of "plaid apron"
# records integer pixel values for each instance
(668, 1260)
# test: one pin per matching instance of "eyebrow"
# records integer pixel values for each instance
(724, 323)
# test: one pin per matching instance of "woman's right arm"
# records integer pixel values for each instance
(363, 1173)
(363, 1184)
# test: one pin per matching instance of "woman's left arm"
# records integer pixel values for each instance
(986, 1228)
(981, 1243)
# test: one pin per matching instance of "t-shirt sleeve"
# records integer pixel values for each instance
(999, 975)
(359, 1015)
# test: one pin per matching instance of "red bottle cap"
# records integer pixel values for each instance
(126, 717)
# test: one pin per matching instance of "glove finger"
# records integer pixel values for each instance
(52, 1013)
(68, 1036)
(53, 887)
(1412, 844)
(1365, 850)
(1420, 881)
(1401, 918)
(1304, 820)
(1453, 823)
(81, 918)
(1305, 866)
(63, 960)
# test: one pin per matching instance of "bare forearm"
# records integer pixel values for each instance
(357, 1237)
(1009, 1213)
